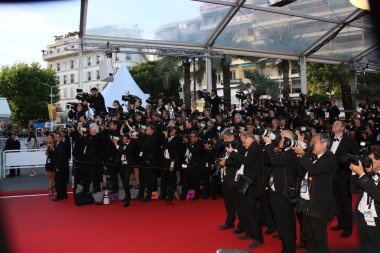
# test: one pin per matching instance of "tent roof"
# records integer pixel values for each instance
(122, 83)
(5, 111)
(322, 30)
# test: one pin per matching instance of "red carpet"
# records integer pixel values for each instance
(37, 224)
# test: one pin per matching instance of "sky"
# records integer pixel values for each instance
(26, 29)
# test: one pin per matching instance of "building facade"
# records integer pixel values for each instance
(80, 70)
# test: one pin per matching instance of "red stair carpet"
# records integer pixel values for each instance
(37, 224)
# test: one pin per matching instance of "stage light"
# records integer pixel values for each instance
(361, 4)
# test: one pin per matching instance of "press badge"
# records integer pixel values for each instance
(304, 186)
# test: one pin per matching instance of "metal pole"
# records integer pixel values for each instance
(302, 62)
(195, 80)
(51, 102)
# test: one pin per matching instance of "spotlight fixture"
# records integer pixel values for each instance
(361, 4)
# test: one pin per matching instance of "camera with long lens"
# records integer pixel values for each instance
(83, 96)
(289, 143)
(215, 167)
(354, 159)
(129, 98)
(151, 100)
(243, 183)
(275, 136)
(241, 96)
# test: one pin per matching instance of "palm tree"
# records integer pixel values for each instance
(259, 85)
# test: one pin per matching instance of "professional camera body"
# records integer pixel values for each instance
(291, 194)
(129, 98)
(354, 159)
(83, 96)
(241, 95)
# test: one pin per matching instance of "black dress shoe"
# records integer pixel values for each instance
(270, 230)
(170, 198)
(336, 228)
(300, 245)
(276, 236)
(237, 231)
(126, 204)
(346, 233)
(57, 199)
(224, 227)
(255, 244)
(244, 237)
(146, 200)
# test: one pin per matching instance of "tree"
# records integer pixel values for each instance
(26, 88)
(333, 79)
(154, 80)
(368, 87)
(260, 85)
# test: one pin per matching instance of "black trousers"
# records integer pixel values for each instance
(12, 172)
(266, 214)
(230, 205)
(91, 174)
(284, 216)
(302, 227)
(368, 235)
(147, 177)
(60, 181)
(343, 199)
(168, 183)
(125, 174)
(251, 215)
(78, 174)
(190, 181)
(205, 178)
(316, 233)
(113, 170)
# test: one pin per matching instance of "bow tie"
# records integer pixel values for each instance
(336, 139)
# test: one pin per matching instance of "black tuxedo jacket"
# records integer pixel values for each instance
(174, 147)
(60, 160)
(131, 152)
(197, 152)
(253, 167)
(283, 167)
(321, 174)
(366, 183)
(232, 165)
(334, 113)
(346, 145)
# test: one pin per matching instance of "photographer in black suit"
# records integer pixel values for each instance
(149, 147)
(250, 170)
(97, 102)
(365, 181)
(215, 103)
(283, 178)
(228, 170)
(92, 153)
(316, 202)
(61, 166)
(128, 153)
(172, 153)
(341, 145)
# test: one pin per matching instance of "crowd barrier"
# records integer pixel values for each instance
(22, 159)
(23, 142)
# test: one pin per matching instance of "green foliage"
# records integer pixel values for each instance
(332, 79)
(324, 78)
(260, 85)
(368, 87)
(158, 78)
(25, 88)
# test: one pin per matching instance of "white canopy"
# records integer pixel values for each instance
(122, 84)
(5, 111)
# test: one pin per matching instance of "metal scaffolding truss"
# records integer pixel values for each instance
(210, 48)
(142, 49)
